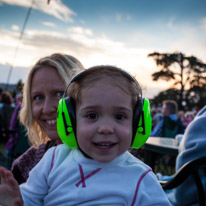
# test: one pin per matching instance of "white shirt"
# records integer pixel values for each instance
(65, 177)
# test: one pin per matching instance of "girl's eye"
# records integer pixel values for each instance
(60, 94)
(120, 116)
(92, 116)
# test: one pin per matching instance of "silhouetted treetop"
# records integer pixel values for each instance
(185, 71)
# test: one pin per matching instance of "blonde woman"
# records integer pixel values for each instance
(43, 88)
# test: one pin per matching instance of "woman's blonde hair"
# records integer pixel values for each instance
(67, 66)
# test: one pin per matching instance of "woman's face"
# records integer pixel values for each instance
(46, 89)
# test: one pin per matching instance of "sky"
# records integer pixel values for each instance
(100, 32)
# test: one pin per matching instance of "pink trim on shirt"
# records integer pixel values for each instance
(83, 178)
(138, 184)
(52, 162)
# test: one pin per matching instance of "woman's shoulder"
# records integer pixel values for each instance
(30, 158)
(26, 155)
(23, 164)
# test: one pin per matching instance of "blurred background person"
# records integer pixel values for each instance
(156, 116)
(170, 124)
(18, 141)
(6, 112)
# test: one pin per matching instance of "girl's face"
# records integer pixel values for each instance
(46, 89)
(104, 121)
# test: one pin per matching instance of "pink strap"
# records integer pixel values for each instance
(138, 183)
(52, 162)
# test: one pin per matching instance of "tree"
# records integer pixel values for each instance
(167, 94)
(19, 86)
(185, 71)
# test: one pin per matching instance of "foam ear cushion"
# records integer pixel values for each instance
(136, 116)
(142, 124)
(66, 122)
(71, 110)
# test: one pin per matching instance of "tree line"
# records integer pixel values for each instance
(187, 72)
(189, 79)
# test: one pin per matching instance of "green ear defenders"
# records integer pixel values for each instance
(66, 120)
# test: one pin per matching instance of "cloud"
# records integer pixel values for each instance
(128, 18)
(8, 38)
(96, 50)
(54, 8)
(170, 24)
(203, 22)
(77, 41)
(189, 41)
(18, 73)
(49, 24)
(15, 27)
(118, 17)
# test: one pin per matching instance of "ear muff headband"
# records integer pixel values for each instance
(66, 123)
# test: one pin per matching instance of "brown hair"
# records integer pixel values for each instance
(6, 98)
(114, 76)
(171, 106)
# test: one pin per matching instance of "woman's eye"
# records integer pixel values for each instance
(37, 97)
(120, 116)
(60, 94)
(92, 116)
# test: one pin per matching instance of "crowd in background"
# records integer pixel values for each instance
(13, 133)
(185, 116)
(11, 129)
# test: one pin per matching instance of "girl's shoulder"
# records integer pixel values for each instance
(133, 161)
(59, 152)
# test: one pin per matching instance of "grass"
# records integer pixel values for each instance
(164, 170)
(165, 166)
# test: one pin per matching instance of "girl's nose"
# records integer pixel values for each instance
(106, 126)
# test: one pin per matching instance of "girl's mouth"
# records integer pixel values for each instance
(104, 145)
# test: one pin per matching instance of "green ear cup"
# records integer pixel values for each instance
(144, 126)
(64, 126)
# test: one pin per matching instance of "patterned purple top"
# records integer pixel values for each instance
(25, 163)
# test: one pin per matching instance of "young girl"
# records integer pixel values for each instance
(99, 171)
